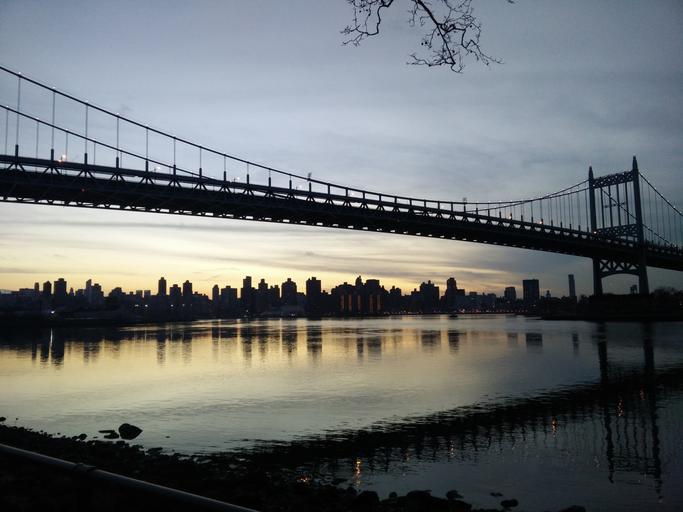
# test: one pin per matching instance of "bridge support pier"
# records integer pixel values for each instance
(605, 268)
(597, 278)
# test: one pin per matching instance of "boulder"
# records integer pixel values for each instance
(366, 500)
(509, 503)
(128, 431)
(423, 500)
(459, 506)
(453, 495)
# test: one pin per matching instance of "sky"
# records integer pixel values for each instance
(582, 83)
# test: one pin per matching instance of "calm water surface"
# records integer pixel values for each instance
(550, 413)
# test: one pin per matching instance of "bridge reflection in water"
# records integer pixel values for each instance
(615, 420)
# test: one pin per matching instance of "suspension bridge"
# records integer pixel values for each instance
(63, 150)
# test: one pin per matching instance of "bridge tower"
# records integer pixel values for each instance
(619, 217)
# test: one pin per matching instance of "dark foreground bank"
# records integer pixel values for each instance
(250, 482)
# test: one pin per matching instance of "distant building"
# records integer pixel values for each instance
(342, 296)
(96, 296)
(572, 286)
(175, 295)
(531, 290)
(510, 294)
(274, 296)
(395, 300)
(60, 294)
(289, 297)
(450, 296)
(47, 289)
(247, 294)
(313, 296)
(229, 302)
(187, 290)
(372, 296)
(429, 297)
(161, 289)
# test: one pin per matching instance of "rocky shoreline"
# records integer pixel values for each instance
(253, 482)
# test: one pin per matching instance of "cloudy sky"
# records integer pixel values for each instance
(583, 83)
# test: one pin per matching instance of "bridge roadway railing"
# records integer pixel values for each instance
(345, 197)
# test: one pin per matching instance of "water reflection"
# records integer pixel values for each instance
(534, 342)
(314, 342)
(430, 339)
(615, 420)
(605, 399)
(512, 339)
(453, 341)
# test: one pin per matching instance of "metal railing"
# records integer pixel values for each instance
(105, 478)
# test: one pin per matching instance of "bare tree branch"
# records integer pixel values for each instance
(452, 30)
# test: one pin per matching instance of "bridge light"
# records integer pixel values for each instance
(63, 158)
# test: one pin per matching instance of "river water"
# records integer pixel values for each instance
(550, 413)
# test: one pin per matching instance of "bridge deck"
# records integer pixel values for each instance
(31, 180)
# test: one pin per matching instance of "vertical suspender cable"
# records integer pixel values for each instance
(85, 140)
(16, 145)
(571, 210)
(146, 149)
(602, 207)
(611, 208)
(659, 229)
(668, 218)
(670, 235)
(618, 206)
(588, 224)
(118, 153)
(6, 128)
(628, 210)
(52, 139)
(532, 210)
(649, 206)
